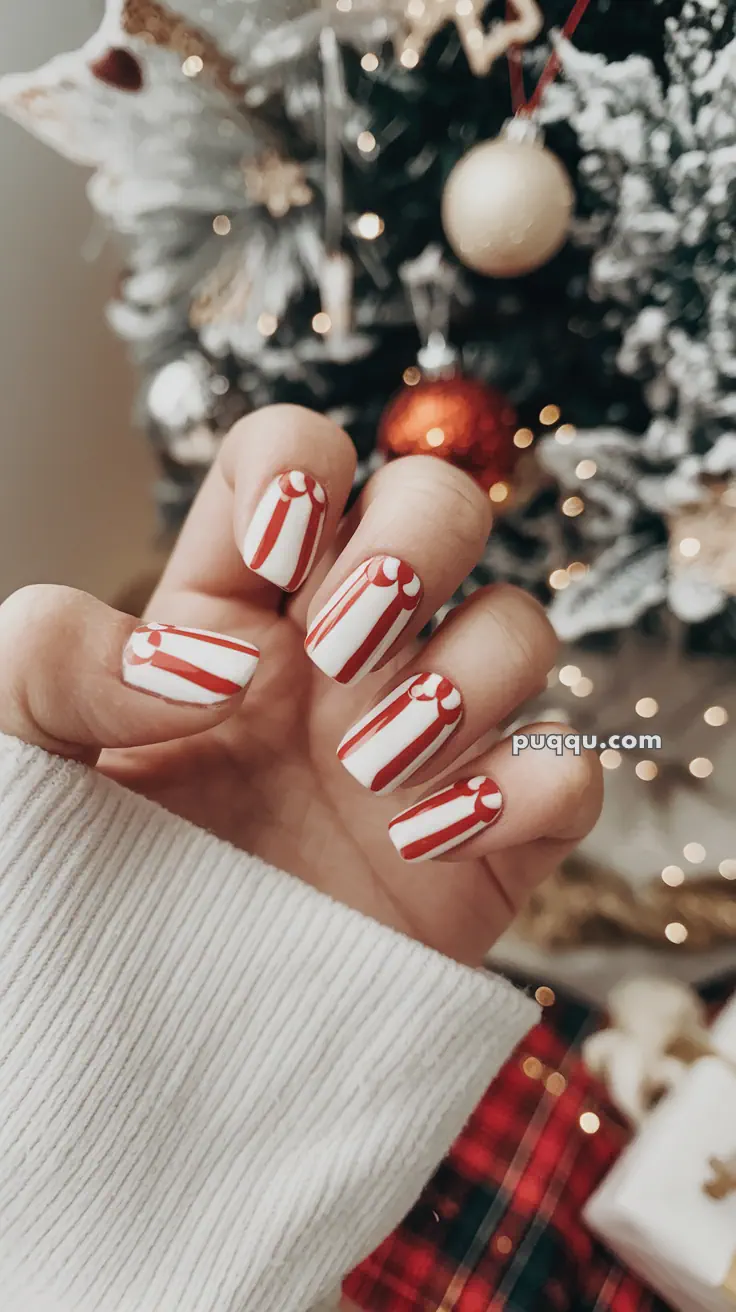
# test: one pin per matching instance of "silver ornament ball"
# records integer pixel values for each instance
(507, 206)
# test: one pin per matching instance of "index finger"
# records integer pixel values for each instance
(236, 543)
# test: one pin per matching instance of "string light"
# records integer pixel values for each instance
(716, 716)
(573, 506)
(555, 1084)
(583, 688)
(727, 869)
(267, 324)
(577, 570)
(366, 143)
(565, 434)
(503, 1245)
(549, 415)
(221, 225)
(410, 58)
(570, 675)
(369, 63)
(610, 759)
(586, 469)
(369, 226)
(694, 853)
(532, 1068)
(192, 66)
(590, 1123)
(412, 376)
(435, 437)
(545, 996)
(690, 547)
(673, 876)
(322, 323)
(559, 579)
(523, 437)
(701, 767)
(676, 933)
(344, 6)
(499, 492)
(646, 707)
(647, 770)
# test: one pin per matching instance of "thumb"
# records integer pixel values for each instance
(76, 676)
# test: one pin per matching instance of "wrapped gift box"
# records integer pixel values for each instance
(653, 1209)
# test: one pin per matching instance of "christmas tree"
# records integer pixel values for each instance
(278, 170)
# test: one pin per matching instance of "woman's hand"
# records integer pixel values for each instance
(167, 714)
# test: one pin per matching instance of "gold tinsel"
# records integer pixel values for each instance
(153, 22)
(584, 906)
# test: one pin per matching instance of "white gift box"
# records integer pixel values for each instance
(652, 1209)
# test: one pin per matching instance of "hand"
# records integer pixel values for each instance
(261, 770)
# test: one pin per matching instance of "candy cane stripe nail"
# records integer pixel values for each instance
(188, 666)
(284, 535)
(363, 619)
(402, 733)
(446, 819)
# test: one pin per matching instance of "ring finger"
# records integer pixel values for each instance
(490, 656)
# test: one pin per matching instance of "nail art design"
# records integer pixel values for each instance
(402, 733)
(189, 666)
(446, 819)
(284, 535)
(361, 622)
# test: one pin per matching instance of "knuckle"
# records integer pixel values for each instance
(520, 623)
(283, 418)
(429, 485)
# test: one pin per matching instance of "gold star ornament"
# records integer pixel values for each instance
(424, 18)
(278, 184)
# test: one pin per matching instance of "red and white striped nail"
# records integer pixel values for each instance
(284, 535)
(188, 666)
(446, 819)
(402, 733)
(363, 619)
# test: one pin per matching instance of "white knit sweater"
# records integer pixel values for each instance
(219, 1090)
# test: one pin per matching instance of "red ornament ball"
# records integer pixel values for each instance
(457, 419)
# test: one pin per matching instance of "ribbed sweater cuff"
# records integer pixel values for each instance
(219, 1089)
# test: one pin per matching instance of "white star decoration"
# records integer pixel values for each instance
(423, 18)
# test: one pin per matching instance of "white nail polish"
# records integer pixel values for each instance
(447, 819)
(400, 735)
(364, 618)
(190, 666)
(283, 538)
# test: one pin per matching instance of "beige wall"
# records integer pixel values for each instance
(74, 474)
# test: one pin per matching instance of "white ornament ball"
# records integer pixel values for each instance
(507, 206)
(180, 395)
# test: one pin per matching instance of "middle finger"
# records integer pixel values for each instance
(422, 529)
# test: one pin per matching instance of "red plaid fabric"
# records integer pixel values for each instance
(499, 1228)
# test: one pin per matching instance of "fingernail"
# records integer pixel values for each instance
(284, 535)
(189, 666)
(402, 733)
(363, 619)
(446, 819)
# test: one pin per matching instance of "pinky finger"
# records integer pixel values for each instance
(503, 802)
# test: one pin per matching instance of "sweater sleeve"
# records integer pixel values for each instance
(219, 1089)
